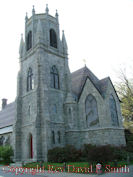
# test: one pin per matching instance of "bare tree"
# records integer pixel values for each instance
(125, 91)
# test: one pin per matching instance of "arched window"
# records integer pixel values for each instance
(59, 138)
(113, 111)
(54, 77)
(69, 111)
(91, 111)
(30, 80)
(53, 137)
(29, 40)
(53, 38)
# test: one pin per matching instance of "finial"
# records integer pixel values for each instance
(33, 10)
(26, 17)
(56, 14)
(47, 9)
(84, 60)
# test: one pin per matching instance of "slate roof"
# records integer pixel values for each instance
(103, 83)
(7, 115)
(79, 78)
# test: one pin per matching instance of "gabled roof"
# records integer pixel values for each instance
(79, 78)
(103, 84)
(7, 115)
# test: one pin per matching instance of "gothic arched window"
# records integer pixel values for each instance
(69, 111)
(59, 137)
(113, 111)
(29, 40)
(53, 38)
(53, 137)
(54, 77)
(29, 80)
(91, 111)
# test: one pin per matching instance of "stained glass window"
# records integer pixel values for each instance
(113, 111)
(54, 77)
(91, 111)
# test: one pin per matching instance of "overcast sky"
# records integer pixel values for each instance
(99, 31)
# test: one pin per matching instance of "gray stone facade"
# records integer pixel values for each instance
(54, 107)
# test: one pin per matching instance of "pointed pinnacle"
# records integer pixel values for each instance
(33, 10)
(47, 9)
(56, 14)
(26, 17)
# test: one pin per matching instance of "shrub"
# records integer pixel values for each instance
(72, 154)
(56, 155)
(89, 153)
(98, 153)
(5, 153)
(120, 153)
(64, 154)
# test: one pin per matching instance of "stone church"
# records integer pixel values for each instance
(54, 107)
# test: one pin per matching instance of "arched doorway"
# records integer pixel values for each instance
(31, 146)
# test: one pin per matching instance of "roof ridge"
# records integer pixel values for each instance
(77, 70)
(104, 78)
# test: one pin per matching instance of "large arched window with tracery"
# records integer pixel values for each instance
(54, 77)
(29, 40)
(53, 38)
(30, 80)
(91, 111)
(113, 111)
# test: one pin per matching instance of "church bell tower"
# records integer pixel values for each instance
(43, 83)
